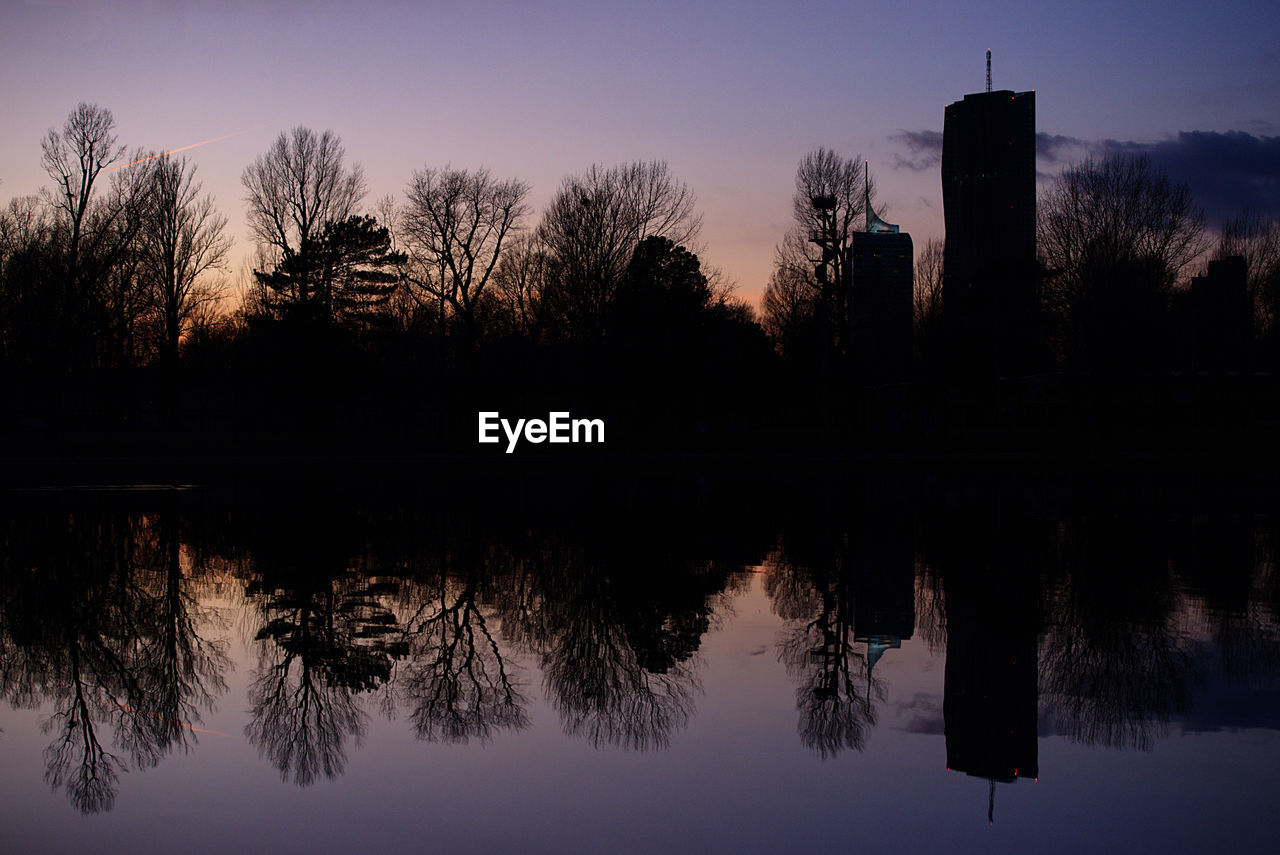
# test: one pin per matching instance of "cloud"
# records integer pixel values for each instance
(1226, 171)
(1056, 148)
(924, 150)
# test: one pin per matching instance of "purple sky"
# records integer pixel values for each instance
(732, 95)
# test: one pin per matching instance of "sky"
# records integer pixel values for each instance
(730, 95)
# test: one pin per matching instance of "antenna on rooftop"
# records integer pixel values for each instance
(988, 69)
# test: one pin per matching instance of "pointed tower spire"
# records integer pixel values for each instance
(874, 223)
(866, 192)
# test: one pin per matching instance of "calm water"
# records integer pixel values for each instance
(690, 667)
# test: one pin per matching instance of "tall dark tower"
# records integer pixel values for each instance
(989, 203)
(881, 265)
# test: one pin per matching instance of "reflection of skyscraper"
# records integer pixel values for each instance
(884, 585)
(989, 202)
(990, 694)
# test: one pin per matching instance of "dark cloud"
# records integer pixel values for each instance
(1227, 172)
(1261, 127)
(1055, 148)
(924, 150)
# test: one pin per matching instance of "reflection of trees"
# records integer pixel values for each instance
(456, 682)
(842, 577)
(1114, 662)
(615, 630)
(99, 623)
(326, 637)
(598, 681)
(304, 697)
(1233, 571)
(335, 630)
(835, 689)
(182, 671)
(75, 759)
(301, 717)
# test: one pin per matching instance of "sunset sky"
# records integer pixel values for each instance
(731, 95)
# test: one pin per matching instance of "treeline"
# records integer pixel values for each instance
(390, 325)
(392, 322)
(1126, 277)
(1134, 313)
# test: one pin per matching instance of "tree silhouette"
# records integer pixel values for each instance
(183, 239)
(98, 296)
(591, 229)
(105, 632)
(74, 157)
(33, 296)
(346, 273)
(789, 312)
(1115, 234)
(1256, 238)
(520, 283)
(812, 260)
(661, 302)
(928, 295)
(293, 192)
(456, 224)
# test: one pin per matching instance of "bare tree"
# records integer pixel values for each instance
(109, 293)
(295, 189)
(823, 174)
(928, 293)
(788, 309)
(74, 157)
(1256, 238)
(1117, 209)
(23, 222)
(96, 300)
(828, 207)
(455, 224)
(520, 282)
(592, 227)
(183, 239)
(1115, 235)
(27, 237)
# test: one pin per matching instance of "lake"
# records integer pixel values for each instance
(919, 661)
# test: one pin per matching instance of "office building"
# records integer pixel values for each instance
(989, 205)
(881, 266)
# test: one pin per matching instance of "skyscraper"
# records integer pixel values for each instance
(989, 203)
(881, 267)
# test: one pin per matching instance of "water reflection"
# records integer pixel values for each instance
(988, 592)
(1105, 629)
(457, 685)
(1118, 660)
(618, 635)
(845, 587)
(103, 630)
